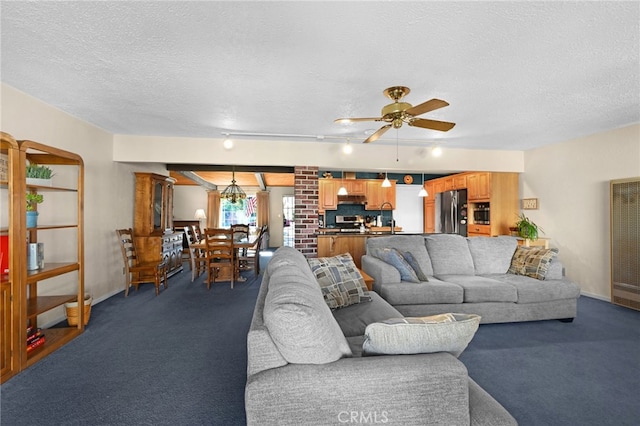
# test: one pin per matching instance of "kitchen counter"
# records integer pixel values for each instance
(375, 230)
(332, 242)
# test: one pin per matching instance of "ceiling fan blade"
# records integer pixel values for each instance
(442, 126)
(426, 107)
(381, 131)
(351, 120)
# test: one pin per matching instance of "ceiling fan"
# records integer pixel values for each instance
(398, 113)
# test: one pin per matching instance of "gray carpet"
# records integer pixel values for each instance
(180, 359)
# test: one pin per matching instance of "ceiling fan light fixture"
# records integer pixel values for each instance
(233, 192)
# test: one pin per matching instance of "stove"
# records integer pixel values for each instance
(349, 223)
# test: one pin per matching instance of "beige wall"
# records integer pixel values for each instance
(571, 182)
(109, 186)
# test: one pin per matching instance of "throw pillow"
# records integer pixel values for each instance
(394, 257)
(413, 262)
(404, 336)
(532, 261)
(340, 280)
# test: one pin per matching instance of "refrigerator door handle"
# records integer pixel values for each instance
(454, 215)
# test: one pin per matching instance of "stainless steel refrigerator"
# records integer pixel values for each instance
(451, 212)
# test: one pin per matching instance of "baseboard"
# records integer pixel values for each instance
(595, 296)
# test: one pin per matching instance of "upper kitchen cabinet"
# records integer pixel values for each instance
(377, 195)
(479, 186)
(355, 186)
(327, 194)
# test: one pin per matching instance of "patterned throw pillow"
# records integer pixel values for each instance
(341, 282)
(532, 261)
(404, 336)
(393, 257)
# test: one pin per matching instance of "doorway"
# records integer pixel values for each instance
(288, 222)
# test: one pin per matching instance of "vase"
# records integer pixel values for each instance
(32, 219)
(39, 182)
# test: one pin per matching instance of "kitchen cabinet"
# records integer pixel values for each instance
(479, 186)
(377, 195)
(478, 230)
(332, 245)
(29, 298)
(431, 191)
(429, 216)
(460, 181)
(327, 194)
(355, 186)
(438, 186)
(153, 221)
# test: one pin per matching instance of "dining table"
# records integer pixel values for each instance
(242, 242)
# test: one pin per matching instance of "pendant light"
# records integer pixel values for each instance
(423, 192)
(343, 189)
(233, 192)
(385, 182)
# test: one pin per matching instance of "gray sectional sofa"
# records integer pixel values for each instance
(469, 275)
(305, 363)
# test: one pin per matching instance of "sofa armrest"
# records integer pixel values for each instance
(424, 389)
(380, 271)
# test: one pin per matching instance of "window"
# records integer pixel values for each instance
(243, 211)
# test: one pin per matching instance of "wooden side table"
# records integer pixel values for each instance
(367, 279)
(540, 242)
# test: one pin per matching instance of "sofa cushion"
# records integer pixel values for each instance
(393, 257)
(483, 289)
(426, 293)
(296, 315)
(449, 254)
(411, 243)
(403, 336)
(355, 318)
(492, 255)
(340, 280)
(532, 261)
(531, 290)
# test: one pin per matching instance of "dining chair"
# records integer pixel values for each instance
(249, 259)
(220, 255)
(240, 232)
(197, 257)
(136, 271)
(197, 233)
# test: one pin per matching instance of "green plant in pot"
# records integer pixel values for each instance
(527, 228)
(33, 199)
(37, 171)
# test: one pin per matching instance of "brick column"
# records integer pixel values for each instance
(306, 210)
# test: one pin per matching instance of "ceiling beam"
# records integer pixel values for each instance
(228, 168)
(261, 182)
(197, 179)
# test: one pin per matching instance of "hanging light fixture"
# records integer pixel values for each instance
(343, 189)
(385, 182)
(423, 192)
(233, 192)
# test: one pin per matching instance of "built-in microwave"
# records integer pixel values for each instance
(482, 214)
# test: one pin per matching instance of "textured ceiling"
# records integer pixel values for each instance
(516, 74)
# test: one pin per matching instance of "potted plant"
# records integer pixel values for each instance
(38, 175)
(33, 199)
(527, 229)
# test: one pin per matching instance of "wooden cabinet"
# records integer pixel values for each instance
(460, 181)
(332, 245)
(438, 186)
(31, 297)
(479, 186)
(355, 186)
(327, 194)
(153, 221)
(377, 195)
(431, 191)
(429, 216)
(478, 230)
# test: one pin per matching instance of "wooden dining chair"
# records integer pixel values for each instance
(249, 259)
(240, 233)
(137, 272)
(197, 257)
(220, 255)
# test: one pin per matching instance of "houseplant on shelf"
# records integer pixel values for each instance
(33, 199)
(38, 175)
(527, 229)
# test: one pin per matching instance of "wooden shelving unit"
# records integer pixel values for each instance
(33, 294)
